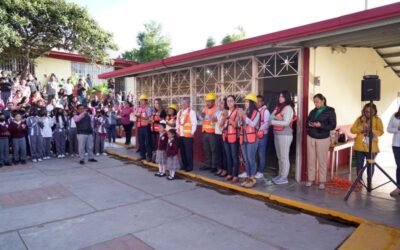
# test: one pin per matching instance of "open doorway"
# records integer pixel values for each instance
(270, 89)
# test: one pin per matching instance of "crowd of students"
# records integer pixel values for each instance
(57, 119)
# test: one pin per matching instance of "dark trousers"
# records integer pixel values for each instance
(360, 158)
(154, 138)
(220, 152)
(396, 152)
(112, 133)
(145, 147)
(210, 151)
(186, 149)
(232, 158)
(128, 132)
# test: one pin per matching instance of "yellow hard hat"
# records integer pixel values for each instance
(211, 96)
(174, 107)
(143, 97)
(251, 97)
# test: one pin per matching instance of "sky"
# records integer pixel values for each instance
(189, 23)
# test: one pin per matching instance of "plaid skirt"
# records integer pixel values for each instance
(172, 163)
(161, 157)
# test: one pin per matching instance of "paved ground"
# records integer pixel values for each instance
(59, 204)
(377, 206)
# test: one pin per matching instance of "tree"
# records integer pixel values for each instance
(29, 29)
(153, 45)
(210, 42)
(241, 34)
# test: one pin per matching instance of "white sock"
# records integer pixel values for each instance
(172, 173)
(162, 168)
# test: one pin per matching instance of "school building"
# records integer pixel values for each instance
(65, 64)
(329, 57)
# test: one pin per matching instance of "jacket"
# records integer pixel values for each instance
(360, 143)
(327, 118)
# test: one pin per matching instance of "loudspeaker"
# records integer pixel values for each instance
(371, 88)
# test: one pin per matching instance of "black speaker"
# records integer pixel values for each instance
(371, 88)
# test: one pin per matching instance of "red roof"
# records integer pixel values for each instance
(80, 58)
(358, 18)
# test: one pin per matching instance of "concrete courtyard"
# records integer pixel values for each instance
(112, 204)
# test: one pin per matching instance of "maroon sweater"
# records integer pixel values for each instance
(172, 148)
(4, 133)
(162, 143)
(17, 131)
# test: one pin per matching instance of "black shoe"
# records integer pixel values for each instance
(23, 162)
(214, 170)
(170, 178)
(92, 160)
(158, 174)
(1, 165)
(138, 150)
(15, 162)
(8, 164)
(82, 162)
(203, 168)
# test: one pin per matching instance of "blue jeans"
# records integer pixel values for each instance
(112, 133)
(19, 148)
(249, 151)
(396, 152)
(262, 150)
(232, 158)
(4, 150)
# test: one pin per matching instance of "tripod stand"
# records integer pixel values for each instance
(370, 164)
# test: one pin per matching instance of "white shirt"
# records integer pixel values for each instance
(193, 119)
(68, 88)
(394, 128)
(48, 122)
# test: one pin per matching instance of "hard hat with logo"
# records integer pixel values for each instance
(143, 97)
(211, 96)
(251, 97)
(174, 107)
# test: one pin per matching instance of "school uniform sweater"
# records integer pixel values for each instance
(4, 133)
(163, 142)
(16, 130)
(172, 147)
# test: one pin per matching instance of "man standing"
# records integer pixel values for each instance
(186, 124)
(32, 83)
(262, 135)
(5, 87)
(209, 116)
(85, 134)
(143, 115)
(68, 90)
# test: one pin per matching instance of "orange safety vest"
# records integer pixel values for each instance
(187, 125)
(208, 125)
(248, 131)
(260, 133)
(280, 128)
(156, 122)
(140, 121)
(230, 132)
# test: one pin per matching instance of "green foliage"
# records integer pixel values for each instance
(101, 88)
(239, 35)
(210, 42)
(153, 45)
(29, 29)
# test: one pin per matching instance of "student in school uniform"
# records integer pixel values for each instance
(72, 133)
(101, 125)
(4, 142)
(172, 154)
(35, 126)
(18, 130)
(47, 133)
(161, 153)
(59, 132)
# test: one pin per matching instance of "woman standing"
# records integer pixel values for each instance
(158, 115)
(281, 120)
(320, 121)
(248, 137)
(126, 122)
(361, 128)
(394, 128)
(230, 137)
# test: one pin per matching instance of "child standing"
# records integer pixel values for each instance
(47, 133)
(172, 154)
(112, 127)
(17, 130)
(101, 124)
(4, 146)
(161, 155)
(35, 126)
(59, 132)
(72, 133)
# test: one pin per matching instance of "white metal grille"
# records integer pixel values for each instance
(82, 69)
